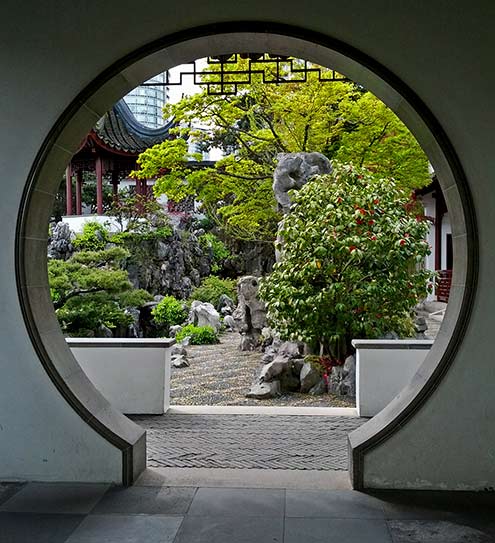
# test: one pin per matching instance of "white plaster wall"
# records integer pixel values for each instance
(50, 50)
(383, 369)
(134, 378)
(446, 229)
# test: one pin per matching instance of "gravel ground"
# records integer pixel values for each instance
(222, 375)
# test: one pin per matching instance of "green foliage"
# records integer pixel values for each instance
(200, 335)
(218, 249)
(169, 312)
(94, 237)
(83, 316)
(135, 298)
(339, 119)
(90, 290)
(351, 262)
(212, 287)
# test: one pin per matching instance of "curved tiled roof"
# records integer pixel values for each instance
(120, 130)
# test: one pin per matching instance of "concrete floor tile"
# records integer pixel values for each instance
(318, 530)
(435, 531)
(29, 527)
(332, 504)
(55, 498)
(7, 490)
(224, 529)
(146, 500)
(126, 529)
(240, 502)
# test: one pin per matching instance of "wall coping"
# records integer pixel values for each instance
(120, 343)
(421, 344)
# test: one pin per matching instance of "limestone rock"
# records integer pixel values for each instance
(250, 314)
(264, 391)
(204, 314)
(174, 330)
(293, 171)
(318, 389)
(274, 369)
(179, 361)
(225, 305)
(229, 323)
(178, 350)
(60, 242)
(308, 377)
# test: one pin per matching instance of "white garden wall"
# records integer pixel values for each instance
(383, 369)
(132, 374)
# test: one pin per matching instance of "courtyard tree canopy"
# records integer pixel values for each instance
(339, 119)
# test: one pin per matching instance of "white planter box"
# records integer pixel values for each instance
(132, 374)
(384, 368)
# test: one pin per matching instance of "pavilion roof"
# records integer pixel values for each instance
(120, 130)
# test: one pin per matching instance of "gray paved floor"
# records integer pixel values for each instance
(248, 441)
(58, 513)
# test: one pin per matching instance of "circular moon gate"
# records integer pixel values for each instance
(120, 78)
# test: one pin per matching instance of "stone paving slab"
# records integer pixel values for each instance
(248, 441)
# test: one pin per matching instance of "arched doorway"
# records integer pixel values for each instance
(113, 83)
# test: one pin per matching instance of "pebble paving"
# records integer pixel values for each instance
(222, 375)
(248, 441)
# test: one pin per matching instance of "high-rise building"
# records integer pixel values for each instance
(146, 102)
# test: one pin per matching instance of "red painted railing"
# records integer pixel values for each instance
(443, 285)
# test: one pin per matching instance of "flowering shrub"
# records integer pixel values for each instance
(351, 264)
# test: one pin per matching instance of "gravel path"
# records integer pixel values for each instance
(222, 375)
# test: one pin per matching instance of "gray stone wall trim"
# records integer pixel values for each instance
(120, 343)
(397, 344)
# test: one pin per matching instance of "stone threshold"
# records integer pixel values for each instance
(262, 410)
(247, 478)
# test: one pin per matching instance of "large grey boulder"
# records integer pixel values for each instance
(274, 369)
(204, 314)
(293, 171)
(309, 377)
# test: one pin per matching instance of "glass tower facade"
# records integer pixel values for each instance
(146, 102)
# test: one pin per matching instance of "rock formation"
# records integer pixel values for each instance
(250, 314)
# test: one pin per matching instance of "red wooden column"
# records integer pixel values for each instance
(79, 182)
(144, 189)
(68, 190)
(99, 186)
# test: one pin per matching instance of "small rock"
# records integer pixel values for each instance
(174, 330)
(309, 377)
(264, 391)
(225, 302)
(229, 323)
(420, 325)
(178, 350)
(318, 389)
(290, 349)
(297, 364)
(180, 361)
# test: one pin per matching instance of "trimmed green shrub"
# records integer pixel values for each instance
(94, 237)
(212, 288)
(169, 312)
(200, 335)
